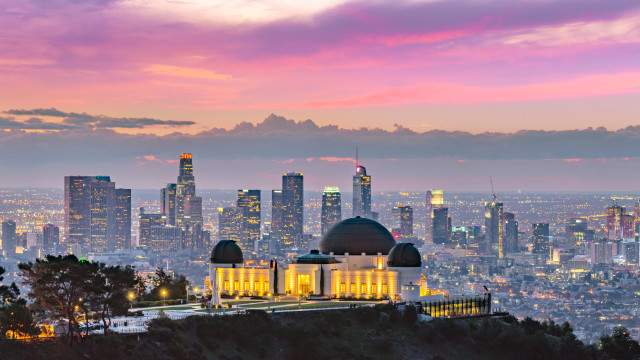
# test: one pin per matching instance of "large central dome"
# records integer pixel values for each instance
(356, 236)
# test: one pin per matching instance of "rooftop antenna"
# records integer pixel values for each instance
(493, 193)
(356, 157)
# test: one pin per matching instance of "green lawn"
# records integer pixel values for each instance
(211, 310)
(242, 302)
(179, 307)
(267, 304)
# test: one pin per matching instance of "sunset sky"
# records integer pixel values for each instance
(543, 95)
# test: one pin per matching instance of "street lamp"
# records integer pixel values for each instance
(164, 297)
(131, 296)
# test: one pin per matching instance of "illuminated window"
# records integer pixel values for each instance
(384, 288)
(256, 286)
(343, 288)
(353, 288)
(246, 286)
(226, 285)
(236, 285)
(266, 286)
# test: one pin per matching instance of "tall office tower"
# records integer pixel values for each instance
(435, 199)
(168, 203)
(510, 233)
(192, 211)
(402, 220)
(575, 226)
(459, 236)
(9, 237)
(282, 219)
(77, 210)
(294, 181)
(147, 221)
(540, 237)
(630, 250)
(103, 204)
(361, 193)
(331, 208)
(197, 238)
(614, 222)
(249, 205)
(123, 219)
(165, 238)
(185, 187)
(229, 224)
(493, 228)
(50, 238)
(628, 226)
(441, 225)
(601, 252)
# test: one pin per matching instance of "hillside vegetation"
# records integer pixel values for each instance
(381, 332)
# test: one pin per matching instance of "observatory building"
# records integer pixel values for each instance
(357, 258)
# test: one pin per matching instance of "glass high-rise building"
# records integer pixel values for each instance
(361, 193)
(91, 213)
(229, 224)
(249, 205)
(294, 181)
(435, 199)
(493, 228)
(185, 187)
(283, 219)
(510, 233)
(441, 225)
(50, 238)
(331, 208)
(615, 214)
(146, 222)
(402, 220)
(123, 219)
(9, 237)
(168, 203)
(540, 238)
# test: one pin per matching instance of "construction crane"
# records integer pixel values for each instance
(492, 192)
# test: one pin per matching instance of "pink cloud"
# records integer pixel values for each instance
(284, 162)
(573, 160)
(334, 159)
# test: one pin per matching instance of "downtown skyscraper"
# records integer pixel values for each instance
(283, 219)
(185, 188)
(361, 193)
(294, 181)
(493, 229)
(9, 237)
(402, 221)
(249, 205)
(331, 208)
(434, 200)
(95, 216)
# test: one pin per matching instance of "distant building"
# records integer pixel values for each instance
(91, 208)
(249, 205)
(165, 238)
(402, 220)
(510, 233)
(185, 187)
(283, 219)
(601, 252)
(229, 224)
(168, 203)
(50, 238)
(630, 251)
(575, 225)
(9, 237)
(493, 228)
(147, 221)
(441, 225)
(540, 239)
(361, 193)
(615, 215)
(294, 181)
(435, 199)
(459, 236)
(123, 219)
(331, 208)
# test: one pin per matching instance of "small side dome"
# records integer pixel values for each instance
(227, 252)
(314, 257)
(404, 255)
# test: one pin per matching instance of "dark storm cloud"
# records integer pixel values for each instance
(9, 123)
(73, 120)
